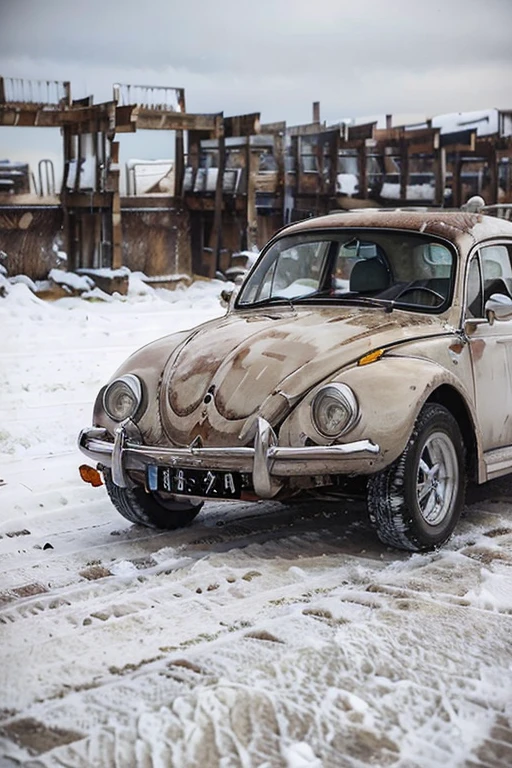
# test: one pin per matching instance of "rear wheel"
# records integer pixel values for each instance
(150, 509)
(415, 503)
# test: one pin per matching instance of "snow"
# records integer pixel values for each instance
(71, 280)
(391, 191)
(485, 121)
(262, 635)
(347, 184)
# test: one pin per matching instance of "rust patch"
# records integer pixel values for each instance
(435, 223)
(477, 348)
(275, 356)
(457, 347)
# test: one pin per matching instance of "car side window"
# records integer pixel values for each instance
(496, 270)
(474, 294)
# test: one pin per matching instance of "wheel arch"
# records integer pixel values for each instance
(453, 401)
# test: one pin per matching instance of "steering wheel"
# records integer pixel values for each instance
(424, 288)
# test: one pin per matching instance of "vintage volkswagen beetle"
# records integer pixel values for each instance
(372, 344)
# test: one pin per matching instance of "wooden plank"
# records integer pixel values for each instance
(363, 180)
(304, 130)
(217, 219)
(86, 114)
(253, 162)
(12, 116)
(273, 128)
(117, 232)
(404, 169)
(179, 164)
(440, 175)
(242, 125)
(126, 121)
(459, 141)
(361, 132)
(174, 121)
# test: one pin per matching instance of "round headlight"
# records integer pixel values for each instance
(123, 397)
(334, 410)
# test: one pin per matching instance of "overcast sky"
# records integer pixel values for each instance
(357, 57)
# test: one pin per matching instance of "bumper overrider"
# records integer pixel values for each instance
(267, 462)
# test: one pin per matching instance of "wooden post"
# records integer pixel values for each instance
(179, 164)
(457, 181)
(404, 168)
(492, 162)
(253, 161)
(439, 175)
(117, 233)
(363, 176)
(217, 219)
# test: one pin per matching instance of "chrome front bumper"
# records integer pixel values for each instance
(266, 461)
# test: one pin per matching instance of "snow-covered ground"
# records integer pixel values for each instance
(263, 636)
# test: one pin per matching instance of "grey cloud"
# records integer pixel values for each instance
(243, 36)
(357, 56)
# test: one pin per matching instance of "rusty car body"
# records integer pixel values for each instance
(371, 344)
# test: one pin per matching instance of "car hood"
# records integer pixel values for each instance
(263, 362)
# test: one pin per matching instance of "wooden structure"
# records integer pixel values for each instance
(236, 181)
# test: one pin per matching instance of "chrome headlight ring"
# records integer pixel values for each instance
(122, 397)
(334, 410)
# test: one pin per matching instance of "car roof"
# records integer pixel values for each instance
(448, 224)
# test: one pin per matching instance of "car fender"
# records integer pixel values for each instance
(148, 364)
(390, 393)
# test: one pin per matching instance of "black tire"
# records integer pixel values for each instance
(150, 509)
(399, 503)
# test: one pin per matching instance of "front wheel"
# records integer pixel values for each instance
(153, 510)
(415, 503)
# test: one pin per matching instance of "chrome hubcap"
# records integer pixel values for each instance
(438, 478)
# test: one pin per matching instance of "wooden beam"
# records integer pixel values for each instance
(361, 132)
(117, 233)
(217, 219)
(153, 120)
(126, 121)
(242, 125)
(179, 164)
(304, 130)
(253, 160)
(274, 128)
(459, 141)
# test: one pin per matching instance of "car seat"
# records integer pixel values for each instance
(369, 275)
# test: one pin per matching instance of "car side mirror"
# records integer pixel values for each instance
(498, 307)
(225, 296)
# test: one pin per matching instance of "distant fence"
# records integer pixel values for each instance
(165, 99)
(17, 90)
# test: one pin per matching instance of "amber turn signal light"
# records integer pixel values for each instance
(371, 357)
(90, 475)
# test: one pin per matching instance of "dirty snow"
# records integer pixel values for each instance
(263, 635)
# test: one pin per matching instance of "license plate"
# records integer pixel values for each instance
(195, 482)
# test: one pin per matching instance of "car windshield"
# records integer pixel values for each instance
(366, 267)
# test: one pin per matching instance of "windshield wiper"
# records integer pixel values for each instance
(270, 300)
(371, 301)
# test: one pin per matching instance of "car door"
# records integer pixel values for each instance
(490, 272)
